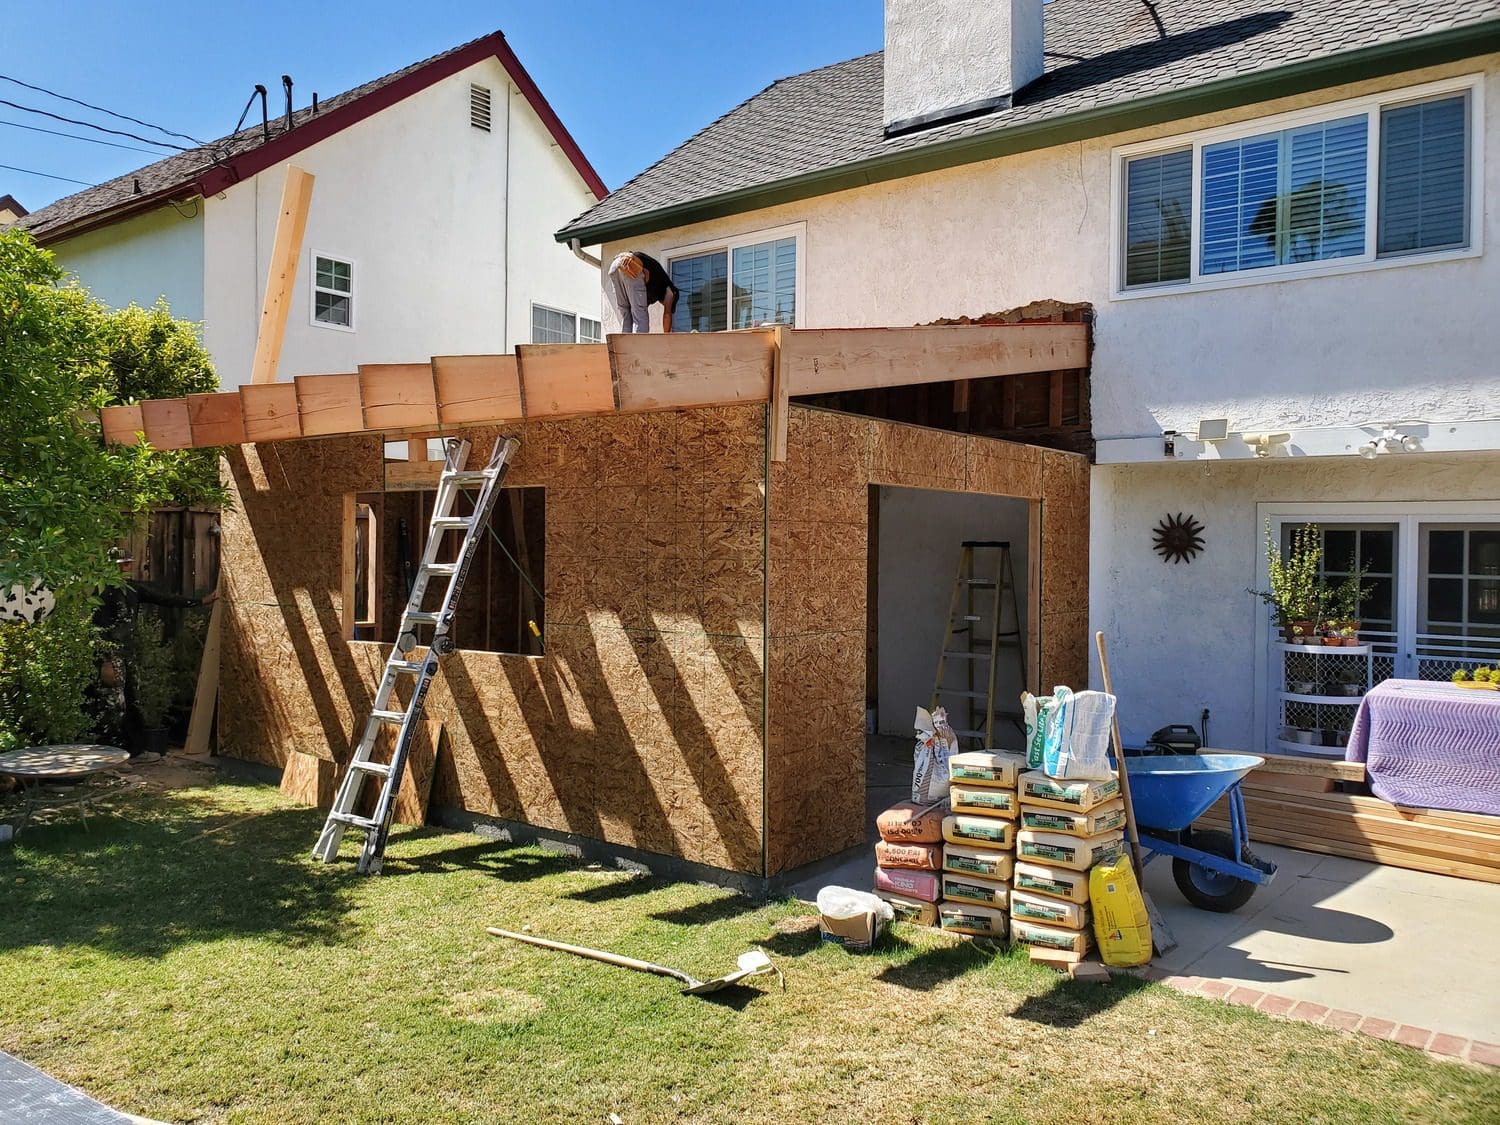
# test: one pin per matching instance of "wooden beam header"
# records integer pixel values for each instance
(630, 374)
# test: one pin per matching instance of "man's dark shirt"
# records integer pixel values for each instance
(658, 281)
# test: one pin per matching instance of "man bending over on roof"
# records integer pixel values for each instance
(637, 280)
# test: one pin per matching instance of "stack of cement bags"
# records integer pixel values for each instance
(979, 836)
(908, 857)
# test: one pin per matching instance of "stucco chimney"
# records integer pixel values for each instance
(949, 59)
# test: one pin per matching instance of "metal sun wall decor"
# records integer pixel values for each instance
(1179, 538)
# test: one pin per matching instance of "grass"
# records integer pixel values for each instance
(186, 961)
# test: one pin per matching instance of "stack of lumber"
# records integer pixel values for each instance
(1284, 805)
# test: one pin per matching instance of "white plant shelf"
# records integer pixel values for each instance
(1325, 650)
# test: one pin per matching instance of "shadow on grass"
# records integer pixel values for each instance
(936, 966)
(509, 863)
(145, 878)
(1069, 1003)
(711, 910)
(627, 886)
(793, 943)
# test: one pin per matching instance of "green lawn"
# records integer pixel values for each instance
(186, 961)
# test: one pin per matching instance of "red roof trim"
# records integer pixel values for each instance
(325, 125)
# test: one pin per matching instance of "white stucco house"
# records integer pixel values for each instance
(437, 191)
(1283, 214)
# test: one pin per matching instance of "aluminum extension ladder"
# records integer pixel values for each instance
(345, 814)
(983, 639)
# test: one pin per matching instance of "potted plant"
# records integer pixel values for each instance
(1296, 592)
(1306, 736)
(152, 682)
(1337, 732)
(1347, 682)
(1345, 600)
(1483, 678)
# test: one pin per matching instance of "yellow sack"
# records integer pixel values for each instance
(1121, 925)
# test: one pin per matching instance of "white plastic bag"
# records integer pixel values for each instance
(936, 743)
(1038, 711)
(1076, 747)
(844, 902)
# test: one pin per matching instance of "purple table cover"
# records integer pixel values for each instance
(1430, 745)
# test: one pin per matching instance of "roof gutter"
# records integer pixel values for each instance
(136, 205)
(1375, 61)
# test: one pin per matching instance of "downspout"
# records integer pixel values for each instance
(577, 248)
(505, 246)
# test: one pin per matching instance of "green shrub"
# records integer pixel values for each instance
(45, 672)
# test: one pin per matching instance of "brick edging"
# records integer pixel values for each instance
(1449, 1047)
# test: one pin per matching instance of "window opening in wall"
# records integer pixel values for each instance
(479, 106)
(333, 292)
(504, 591)
(553, 326)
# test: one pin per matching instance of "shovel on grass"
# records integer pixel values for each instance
(751, 964)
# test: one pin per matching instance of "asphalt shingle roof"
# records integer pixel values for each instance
(1100, 53)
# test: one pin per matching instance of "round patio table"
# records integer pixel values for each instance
(58, 775)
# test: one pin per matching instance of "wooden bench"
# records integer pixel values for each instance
(1297, 802)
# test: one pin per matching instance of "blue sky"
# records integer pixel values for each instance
(630, 80)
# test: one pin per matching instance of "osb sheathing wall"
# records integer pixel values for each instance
(643, 723)
(819, 510)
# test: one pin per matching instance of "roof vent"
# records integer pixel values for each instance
(479, 106)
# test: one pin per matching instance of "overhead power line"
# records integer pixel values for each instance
(45, 175)
(79, 137)
(91, 125)
(101, 109)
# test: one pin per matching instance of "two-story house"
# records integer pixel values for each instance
(1279, 214)
(437, 190)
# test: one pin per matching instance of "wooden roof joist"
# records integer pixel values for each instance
(628, 375)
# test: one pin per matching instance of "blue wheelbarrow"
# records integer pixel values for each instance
(1214, 870)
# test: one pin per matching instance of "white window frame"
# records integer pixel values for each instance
(313, 289)
(1370, 105)
(597, 338)
(1409, 517)
(796, 231)
(531, 326)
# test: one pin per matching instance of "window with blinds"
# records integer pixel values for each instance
(1424, 176)
(589, 331)
(702, 292)
(748, 282)
(765, 283)
(553, 326)
(1381, 179)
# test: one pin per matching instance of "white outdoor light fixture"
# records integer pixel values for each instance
(1213, 429)
(1265, 444)
(1389, 441)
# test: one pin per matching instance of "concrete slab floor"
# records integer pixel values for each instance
(1405, 946)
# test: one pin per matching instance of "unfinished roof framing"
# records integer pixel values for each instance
(631, 374)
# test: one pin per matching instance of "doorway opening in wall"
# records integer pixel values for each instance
(914, 549)
(1432, 571)
(503, 595)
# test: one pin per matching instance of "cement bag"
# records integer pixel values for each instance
(912, 910)
(987, 767)
(920, 885)
(1076, 745)
(967, 918)
(936, 743)
(1038, 712)
(1044, 879)
(1077, 853)
(983, 799)
(1036, 788)
(911, 823)
(986, 831)
(963, 859)
(1108, 817)
(971, 888)
(1051, 937)
(1121, 924)
(1025, 906)
(922, 857)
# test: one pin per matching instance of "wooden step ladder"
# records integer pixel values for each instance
(974, 638)
(385, 713)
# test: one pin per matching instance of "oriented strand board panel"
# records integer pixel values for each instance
(416, 780)
(270, 411)
(663, 371)
(167, 423)
(309, 780)
(122, 425)
(329, 404)
(398, 396)
(216, 419)
(825, 360)
(565, 380)
(477, 388)
(406, 476)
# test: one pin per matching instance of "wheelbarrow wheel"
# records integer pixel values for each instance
(1208, 889)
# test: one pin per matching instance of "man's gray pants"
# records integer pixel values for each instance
(629, 295)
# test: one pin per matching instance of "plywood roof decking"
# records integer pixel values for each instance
(630, 374)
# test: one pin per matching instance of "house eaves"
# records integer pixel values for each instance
(1235, 91)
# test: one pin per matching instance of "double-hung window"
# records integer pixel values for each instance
(1353, 184)
(742, 283)
(553, 326)
(332, 292)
